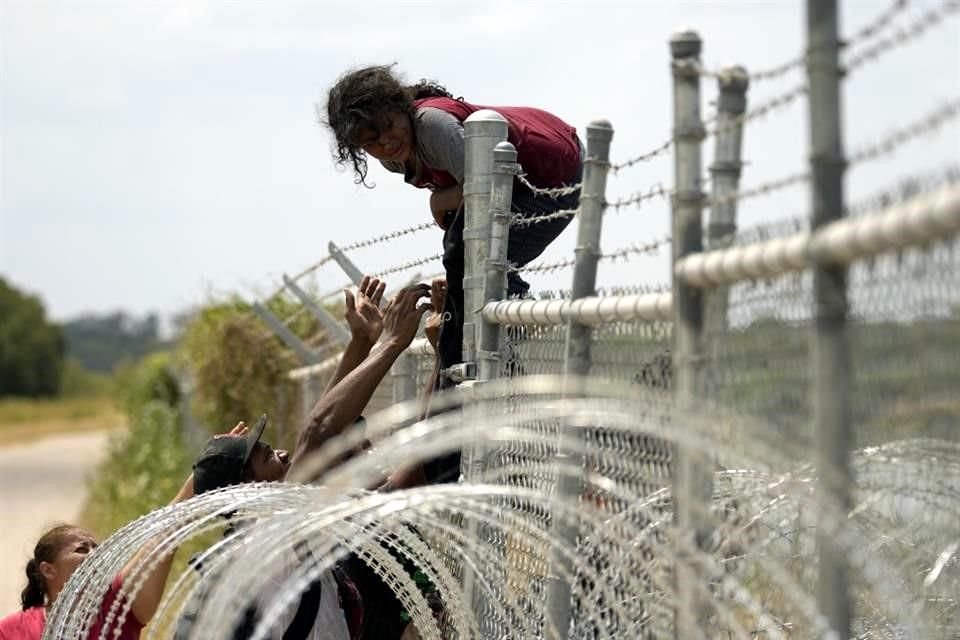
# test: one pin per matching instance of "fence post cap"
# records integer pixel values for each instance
(602, 123)
(685, 43)
(505, 153)
(734, 78)
(485, 115)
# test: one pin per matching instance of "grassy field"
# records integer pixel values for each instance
(24, 420)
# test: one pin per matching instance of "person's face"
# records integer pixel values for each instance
(395, 141)
(77, 546)
(267, 464)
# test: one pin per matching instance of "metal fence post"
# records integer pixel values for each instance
(333, 327)
(577, 361)
(345, 263)
(725, 180)
(282, 331)
(483, 130)
(495, 280)
(830, 352)
(692, 471)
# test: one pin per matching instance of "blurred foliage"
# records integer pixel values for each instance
(100, 342)
(31, 348)
(146, 464)
(238, 369)
(150, 380)
(77, 380)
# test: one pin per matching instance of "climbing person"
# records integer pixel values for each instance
(418, 131)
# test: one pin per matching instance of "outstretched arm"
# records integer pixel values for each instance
(151, 592)
(343, 404)
(366, 323)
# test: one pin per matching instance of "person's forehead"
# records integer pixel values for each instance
(261, 446)
(79, 536)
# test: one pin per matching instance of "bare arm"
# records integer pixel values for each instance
(151, 592)
(343, 404)
(444, 200)
(366, 324)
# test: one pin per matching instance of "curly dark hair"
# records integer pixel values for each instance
(361, 101)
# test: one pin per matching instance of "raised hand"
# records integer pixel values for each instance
(363, 310)
(401, 318)
(438, 294)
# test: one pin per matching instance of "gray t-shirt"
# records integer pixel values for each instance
(439, 144)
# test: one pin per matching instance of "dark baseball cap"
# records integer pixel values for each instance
(224, 459)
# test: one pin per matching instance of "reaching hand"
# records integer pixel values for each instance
(401, 318)
(363, 311)
(438, 294)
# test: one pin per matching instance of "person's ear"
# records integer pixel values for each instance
(48, 571)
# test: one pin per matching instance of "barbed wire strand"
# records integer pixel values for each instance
(903, 36)
(409, 265)
(643, 157)
(927, 124)
(554, 192)
(518, 221)
(871, 54)
(387, 237)
(864, 34)
(624, 253)
(907, 186)
(638, 198)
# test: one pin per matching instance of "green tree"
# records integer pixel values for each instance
(31, 348)
(102, 341)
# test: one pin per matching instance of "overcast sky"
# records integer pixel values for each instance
(155, 154)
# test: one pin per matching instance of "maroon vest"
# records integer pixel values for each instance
(547, 147)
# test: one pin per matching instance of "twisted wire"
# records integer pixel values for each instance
(517, 221)
(638, 198)
(643, 157)
(409, 265)
(554, 193)
(924, 125)
(393, 235)
(623, 253)
(903, 36)
(865, 33)
(762, 189)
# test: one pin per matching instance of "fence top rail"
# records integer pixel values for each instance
(925, 218)
(593, 311)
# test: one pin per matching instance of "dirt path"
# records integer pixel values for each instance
(41, 483)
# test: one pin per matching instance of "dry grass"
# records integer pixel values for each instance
(26, 420)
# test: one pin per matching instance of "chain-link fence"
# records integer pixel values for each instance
(766, 446)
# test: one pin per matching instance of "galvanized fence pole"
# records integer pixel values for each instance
(483, 130)
(335, 328)
(495, 281)
(577, 361)
(345, 263)
(830, 351)
(692, 470)
(282, 331)
(725, 180)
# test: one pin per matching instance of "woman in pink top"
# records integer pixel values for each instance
(57, 555)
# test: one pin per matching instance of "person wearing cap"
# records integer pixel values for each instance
(377, 339)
